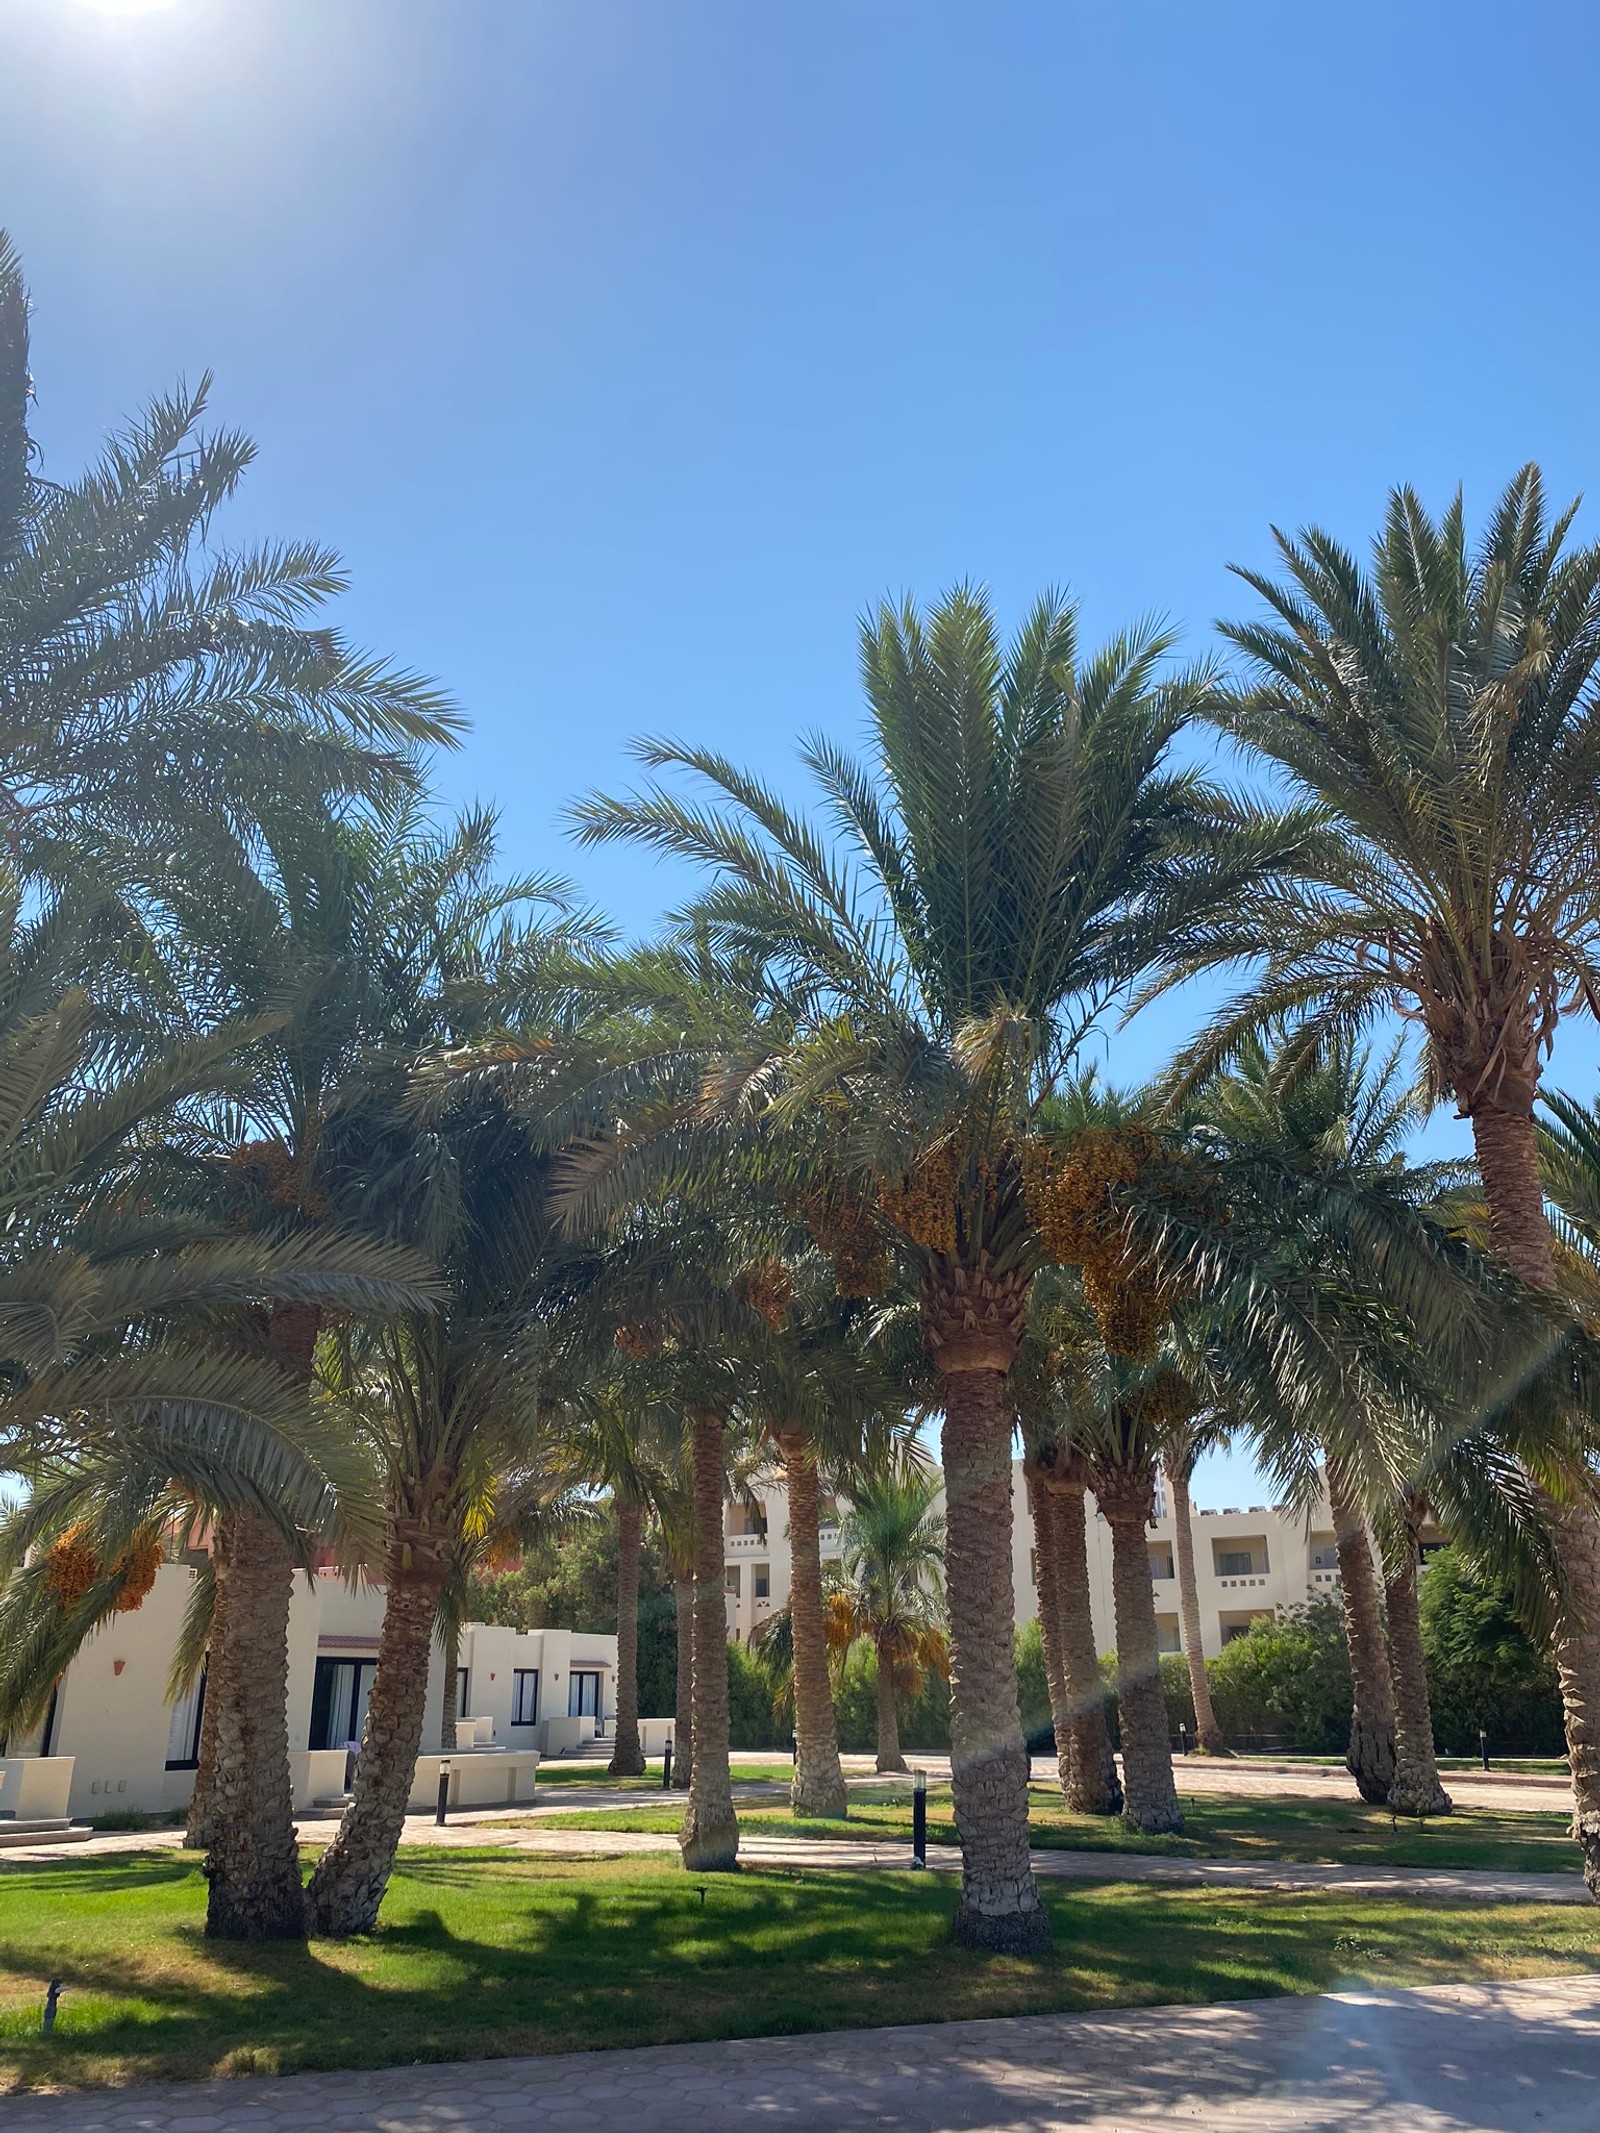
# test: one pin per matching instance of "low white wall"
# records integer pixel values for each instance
(35, 1788)
(482, 1779)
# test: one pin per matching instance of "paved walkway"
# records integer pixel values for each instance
(1443, 2059)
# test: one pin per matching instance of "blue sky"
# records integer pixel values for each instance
(626, 351)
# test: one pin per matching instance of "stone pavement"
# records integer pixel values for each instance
(1440, 2059)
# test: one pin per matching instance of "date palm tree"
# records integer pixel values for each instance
(1441, 713)
(151, 678)
(892, 1540)
(1014, 856)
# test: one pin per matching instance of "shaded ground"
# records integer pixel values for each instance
(494, 1955)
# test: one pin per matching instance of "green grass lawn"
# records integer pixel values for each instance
(595, 1774)
(485, 1954)
(1326, 1832)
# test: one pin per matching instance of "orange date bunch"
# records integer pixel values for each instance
(842, 1224)
(72, 1570)
(766, 1288)
(922, 1202)
(1073, 1195)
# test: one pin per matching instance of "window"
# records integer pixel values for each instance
(762, 1585)
(1161, 1562)
(1325, 1556)
(1235, 1563)
(1167, 1637)
(1233, 1630)
(463, 1691)
(183, 1729)
(583, 1696)
(730, 1580)
(525, 1696)
(339, 1693)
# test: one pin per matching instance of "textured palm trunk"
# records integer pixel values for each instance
(1519, 1231)
(627, 1758)
(1094, 1786)
(1370, 1757)
(1151, 1805)
(683, 1706)
(350, 1878)
(1208, 1734)
(1416, 1789)
(252, 1862)
(818, 1787)
(449, 1696)
(1000, 1907)
(1048, 1591)
(200, 1822)
(710, 1834)
(889, 1756)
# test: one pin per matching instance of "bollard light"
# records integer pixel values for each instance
(444, 1791)
(666, 1765)
(919, 1818)
(1483, 1746)
(1183, 1735)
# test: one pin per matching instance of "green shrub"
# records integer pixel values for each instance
(924, 1719)
(1483, 1670)
(751, 1723)
(1288, 1680)
(1033, 1690)
(1179, 1693)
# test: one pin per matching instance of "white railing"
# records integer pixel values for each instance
(1234, 1584)
(748, 1543)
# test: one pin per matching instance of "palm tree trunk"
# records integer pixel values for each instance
(1000, 1907)
(200, 1823)
(1208, 1734)
(818, 1787)
(1370, 1757)
(252, 1862)
(1152, 1797)
(1416, 1789)
(1093, 1784)
(627, 1759)
(710, 1834)
(1519, 1231)
(350, 1878)
(450, 1694)
(683, 1706)
(889, 1756)
(1047, 1587)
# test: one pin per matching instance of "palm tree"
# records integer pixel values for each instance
(1187, 1437)
(892, 1540)
(1014, 856)
(1057, 1477)
(1441, 716)
(1370, 1756)
(381, 932)
(151, 679)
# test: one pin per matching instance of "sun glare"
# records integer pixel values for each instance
(125, 7)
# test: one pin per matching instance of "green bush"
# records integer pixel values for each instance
(924, 1719)
(1033, 1690)
(751, 1723)
(1288, 1680)
(1482, 1668)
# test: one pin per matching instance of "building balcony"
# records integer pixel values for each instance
(748, 1544)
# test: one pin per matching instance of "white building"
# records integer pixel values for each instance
(545, 1692)
(1247, 1563)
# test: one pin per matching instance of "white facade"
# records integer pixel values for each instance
(132, 1749)
(1247, 1563)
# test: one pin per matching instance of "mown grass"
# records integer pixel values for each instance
(489, 1954)
(595, 1774)
(1217, 1826)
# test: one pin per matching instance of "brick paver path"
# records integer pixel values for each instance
(1443, 2059)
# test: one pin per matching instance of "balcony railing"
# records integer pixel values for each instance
(748, 1543)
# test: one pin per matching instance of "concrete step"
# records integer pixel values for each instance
(54, 1829)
